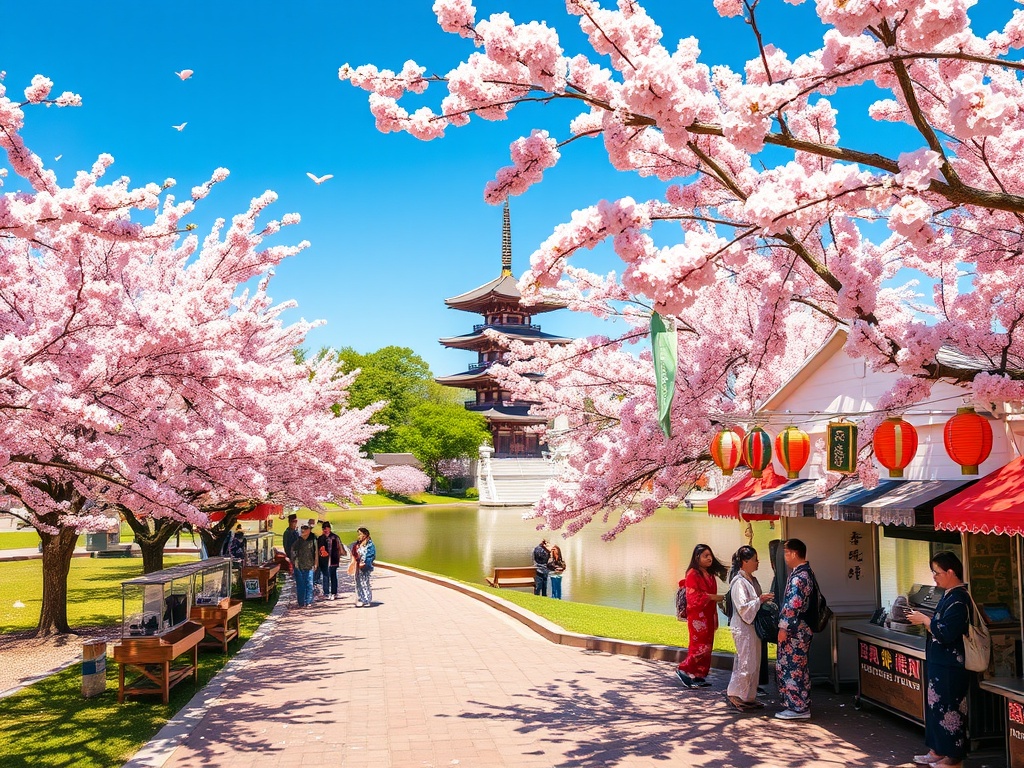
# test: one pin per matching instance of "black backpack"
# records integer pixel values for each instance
(818, 614)
(681, 604)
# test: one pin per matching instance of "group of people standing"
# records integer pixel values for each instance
(948, 678)
(702, 603)
(319, 558)
(548, 566)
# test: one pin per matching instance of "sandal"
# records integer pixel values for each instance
(927, 759)
(740, 704)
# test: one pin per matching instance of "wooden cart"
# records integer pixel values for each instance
(153, 657)
(220, 621)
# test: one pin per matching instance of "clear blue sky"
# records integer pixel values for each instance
(402, 225)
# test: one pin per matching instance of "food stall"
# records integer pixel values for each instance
(213, 606)
(260, 567)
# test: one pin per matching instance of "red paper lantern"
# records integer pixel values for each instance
(968, 439)
(726, 449)
(793, 448)
(757, 451)
(895, 442)
(743, 436)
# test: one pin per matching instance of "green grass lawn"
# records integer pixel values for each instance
(50, 724)
(94, 590)
(377, 500)
(28, 538)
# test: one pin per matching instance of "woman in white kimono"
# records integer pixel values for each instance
(746, 597)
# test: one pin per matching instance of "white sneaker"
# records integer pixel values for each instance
(333, 597)
(789, 714)
(358, 604)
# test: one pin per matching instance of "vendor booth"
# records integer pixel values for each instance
(870, 548)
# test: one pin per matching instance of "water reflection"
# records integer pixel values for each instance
(467, 542)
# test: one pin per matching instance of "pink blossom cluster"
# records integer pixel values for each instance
(403, 480)
(778, 200)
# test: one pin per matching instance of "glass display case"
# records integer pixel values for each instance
(259, 548)
(213, 582)
(157, 602)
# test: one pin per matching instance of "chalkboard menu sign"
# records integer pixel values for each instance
(892, 678)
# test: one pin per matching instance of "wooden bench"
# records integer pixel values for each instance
(512, 577)
(154, 658)
(220, 621)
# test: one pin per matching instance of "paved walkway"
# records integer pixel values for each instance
(431, 677)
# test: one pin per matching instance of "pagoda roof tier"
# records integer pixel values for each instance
(498, 413)
(501, 291)
(477, 374)
(479, 342)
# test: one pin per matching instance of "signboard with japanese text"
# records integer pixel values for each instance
(841, 448)
(1015, 733)
(892, 678)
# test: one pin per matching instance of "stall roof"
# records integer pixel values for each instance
(763, 507)
(994, 504)
(800, 502)
(911, 502)
(727, 503)
(259, 512)
(847, 503)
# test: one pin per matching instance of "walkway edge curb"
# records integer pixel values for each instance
(554, 633)
(159, 749)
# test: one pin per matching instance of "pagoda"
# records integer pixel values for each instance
(500, 303)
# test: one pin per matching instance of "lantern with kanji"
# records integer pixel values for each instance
(793, 448)
(895, 442)
(968, 439)
(726, 449)
(757, 451)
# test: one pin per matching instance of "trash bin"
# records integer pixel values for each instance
(94, 668)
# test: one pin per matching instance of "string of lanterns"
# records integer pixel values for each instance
(967, 437)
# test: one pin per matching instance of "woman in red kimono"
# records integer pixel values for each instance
(701, 615)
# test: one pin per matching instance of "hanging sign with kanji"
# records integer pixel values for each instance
(841, 447)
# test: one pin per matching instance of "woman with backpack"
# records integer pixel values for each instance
(701, 615)
(745, 599)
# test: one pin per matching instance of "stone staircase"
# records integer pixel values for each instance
(513, 482)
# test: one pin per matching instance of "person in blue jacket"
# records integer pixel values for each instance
(366, 553)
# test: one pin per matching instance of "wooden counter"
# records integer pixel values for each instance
(153, 657)
(220, 621)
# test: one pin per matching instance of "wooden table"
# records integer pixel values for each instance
(266, 575)
(220, 622)
(153, 657)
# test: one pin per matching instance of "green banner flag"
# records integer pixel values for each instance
(666, 357)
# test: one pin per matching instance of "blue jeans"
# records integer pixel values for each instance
(304, 586)
(328, 575)
(556, 586)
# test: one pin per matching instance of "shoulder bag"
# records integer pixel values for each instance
(766, 622)
(977, 643)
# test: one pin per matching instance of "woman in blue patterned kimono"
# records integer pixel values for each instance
(793, 676)
(945, 714)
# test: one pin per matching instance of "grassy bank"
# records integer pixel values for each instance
(50, 724)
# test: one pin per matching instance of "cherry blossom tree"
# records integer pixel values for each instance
(136, 371)
(780, 220)
(403, 480)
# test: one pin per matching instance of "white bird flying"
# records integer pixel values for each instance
(320, 179)
(179, 127)
(185, 74)
(58, 157)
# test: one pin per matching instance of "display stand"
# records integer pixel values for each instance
(154, 657)
(260, 581)
(220, 621)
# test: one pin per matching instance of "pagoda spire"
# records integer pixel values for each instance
(506, 242)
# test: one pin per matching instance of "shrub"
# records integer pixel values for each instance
(472, 493)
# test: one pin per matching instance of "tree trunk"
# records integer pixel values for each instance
(57, 552)
(152, 544)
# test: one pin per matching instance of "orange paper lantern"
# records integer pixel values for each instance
(895, 443)
(757, 451)
(793, 448)
(968, 439)
(726, 449)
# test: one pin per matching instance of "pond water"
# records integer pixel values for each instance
(641, 567)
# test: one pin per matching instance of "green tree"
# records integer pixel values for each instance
(439, 429)
(393, 374)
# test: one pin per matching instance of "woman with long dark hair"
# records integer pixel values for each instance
(945, 713)
(746, 597)
(701, 615)
(365, 553)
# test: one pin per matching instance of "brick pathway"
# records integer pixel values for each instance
(430, 677)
